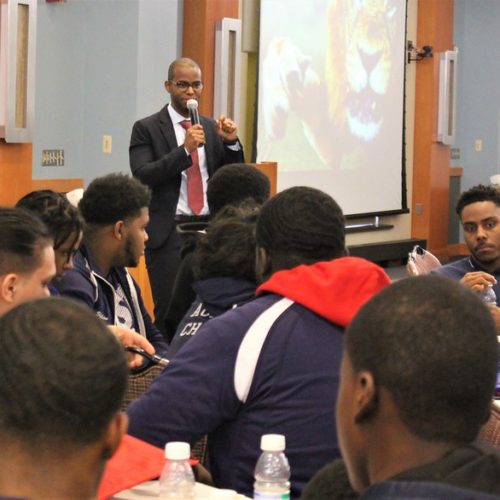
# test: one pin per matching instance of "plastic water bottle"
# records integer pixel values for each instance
(272, 472)
(177, 478)
(489, 296)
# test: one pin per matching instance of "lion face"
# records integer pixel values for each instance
(358, 67)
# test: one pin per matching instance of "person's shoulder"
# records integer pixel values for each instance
(235, 323)
(331, 481)
(153, 118)
(455, 269)
(431, 490)
(78, 284)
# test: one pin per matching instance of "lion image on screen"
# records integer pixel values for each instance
(345, 110)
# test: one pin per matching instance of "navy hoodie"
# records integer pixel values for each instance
(269, 366)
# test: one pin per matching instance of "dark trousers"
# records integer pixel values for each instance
(162, 264)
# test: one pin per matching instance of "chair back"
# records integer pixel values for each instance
(490, 432)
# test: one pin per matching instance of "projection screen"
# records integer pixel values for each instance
(331, 99)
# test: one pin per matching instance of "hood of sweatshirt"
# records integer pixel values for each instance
(224, 292)
(335, 289)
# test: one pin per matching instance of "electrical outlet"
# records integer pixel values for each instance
(107, 144)
(478, 145)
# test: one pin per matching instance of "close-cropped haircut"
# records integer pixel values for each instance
(301, 225)
(478, 193)
(228, 246)
(182, 61)
(432, 344)
(113, 197)
(61, 218)
(23, 236)
(62, 375)
(235, 183)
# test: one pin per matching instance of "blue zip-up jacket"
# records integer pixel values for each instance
(458, 269)
(86, 284)
(269, 366)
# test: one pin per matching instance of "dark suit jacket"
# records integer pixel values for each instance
(157, 161)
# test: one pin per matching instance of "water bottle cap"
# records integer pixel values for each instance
(272, 442)
(177, 450)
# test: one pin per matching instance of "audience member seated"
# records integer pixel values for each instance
(418, 374)
(27, 263)
(64, 223)
(479, 212)
(224, 269)
(231, 185)
(271, 365)
(62, 377)
(27, 267)
(115, 211)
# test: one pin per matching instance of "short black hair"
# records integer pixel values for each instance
(235, 183)
(61, 218)
(62, 375)
(432, 344)
(23, 236)
(301, 225)
(113, 197)
(182, 61)
(478, 193)
(228, 246)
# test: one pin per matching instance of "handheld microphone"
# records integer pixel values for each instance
(194, 116)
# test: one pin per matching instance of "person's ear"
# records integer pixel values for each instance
(118, 229)
(366, 395)
(8, 285)
(114, 433)
(167, 86)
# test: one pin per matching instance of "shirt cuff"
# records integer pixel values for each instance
(233, 145)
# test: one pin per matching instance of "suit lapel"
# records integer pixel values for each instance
(167, 128)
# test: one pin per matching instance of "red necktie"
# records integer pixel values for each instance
(194, 183)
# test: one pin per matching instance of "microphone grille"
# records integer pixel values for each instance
(192, 104)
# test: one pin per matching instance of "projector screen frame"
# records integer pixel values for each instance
(403, 172)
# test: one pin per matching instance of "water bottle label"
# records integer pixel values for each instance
(271, 496)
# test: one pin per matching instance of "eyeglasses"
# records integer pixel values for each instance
(182, 85)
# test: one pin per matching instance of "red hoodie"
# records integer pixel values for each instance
(335, 289)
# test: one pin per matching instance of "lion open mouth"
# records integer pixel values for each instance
(363, 116)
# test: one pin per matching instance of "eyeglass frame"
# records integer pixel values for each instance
(183, 85)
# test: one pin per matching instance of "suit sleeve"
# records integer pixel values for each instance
(145, 165)
(231, 156)
(192, 396)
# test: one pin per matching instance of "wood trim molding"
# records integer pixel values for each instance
(198, 40)
(458, 249)
(270, 169)
(431, 163)
(140, 275)
(61, 185)
(15, 171)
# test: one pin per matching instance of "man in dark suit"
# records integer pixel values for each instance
(175, 159)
